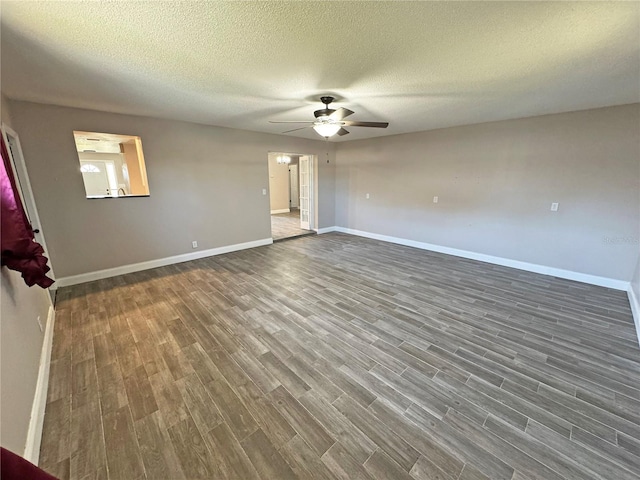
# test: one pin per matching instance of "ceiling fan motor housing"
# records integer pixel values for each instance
(325, 112)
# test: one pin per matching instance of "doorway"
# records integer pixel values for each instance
(24, 189)
(291, 195)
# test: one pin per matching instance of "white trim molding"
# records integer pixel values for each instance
(160, 262)
(282, 210)
(34, 434)
(635, 310)
(322, 230)
(505, 262)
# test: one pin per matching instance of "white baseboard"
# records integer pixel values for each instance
(320, 231)
(282, 210)
(635, 310)
(34, 434)
(506, 262)
(161, 262)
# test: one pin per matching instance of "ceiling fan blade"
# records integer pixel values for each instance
(289, 121)
(342, 131)
(348, 123)
(296, 129)
(340, 113)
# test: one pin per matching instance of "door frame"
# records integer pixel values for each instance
(19, 168)
(313, 213)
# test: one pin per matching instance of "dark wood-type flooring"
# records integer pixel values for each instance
(337, 357)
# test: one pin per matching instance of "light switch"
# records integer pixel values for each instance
(435, 199)
(264, 191)
(367, 196)
(554, 207)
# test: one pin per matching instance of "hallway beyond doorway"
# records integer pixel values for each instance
(287, 225)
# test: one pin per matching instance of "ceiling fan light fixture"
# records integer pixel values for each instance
(283, 159)
(327, 129)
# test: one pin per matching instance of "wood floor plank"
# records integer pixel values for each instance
(439, 461)
(56, 433)
(305, 463)
(84, 383)
(619, 455)
(360, 446)
(229, 458)
(584, 456)
(191, 450)
(60, 470)
(570, 415)
(425, 469)
(531, 465)
(103, 346)
(376, 386)
(398, 449)
(489, 405)
(380, 466)
(256, 371)
(112, 391)
(265, 458)
(458, 444)
(272, 423)
(157, 451)
(201, 406)
(522, 405)
(292, 382)
(142, 401)
(301, 420)
(123, 455)
(232, 409)
(170, 402)
(343, 466)
(60, 373)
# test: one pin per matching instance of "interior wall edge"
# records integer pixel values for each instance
(505, 262)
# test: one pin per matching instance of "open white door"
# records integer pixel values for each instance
(294, 195)
(304, 192)
(24, 188)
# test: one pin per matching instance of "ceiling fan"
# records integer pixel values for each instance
(330, 122)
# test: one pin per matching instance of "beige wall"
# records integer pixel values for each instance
(21, 346)
(206, 185)
(278, 184)
(496, 182)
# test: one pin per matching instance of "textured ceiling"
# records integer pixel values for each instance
(417, 65)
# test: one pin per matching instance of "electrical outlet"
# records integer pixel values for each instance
(367, 196)
(264, 191)
(435, 199)
(194, 244)
(40, 324)
(554, 207)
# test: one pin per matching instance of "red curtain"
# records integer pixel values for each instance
(20, 251)
(14, 467)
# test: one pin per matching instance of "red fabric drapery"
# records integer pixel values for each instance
(14, 467)
(20, 251)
